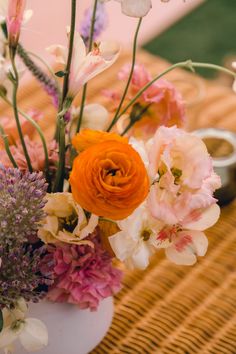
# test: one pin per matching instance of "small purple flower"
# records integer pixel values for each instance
(101, 21)
(21, 204)
(20, 274)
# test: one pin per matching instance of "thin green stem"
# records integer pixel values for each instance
(84, 93)
(188, 64)
(135, 42)
(64, 106)
(39, 131)
(7, 148)
(14, 104)
(70, 52)
(59, 182)
(136, 119)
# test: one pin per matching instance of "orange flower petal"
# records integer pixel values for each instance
(88, 137)
(109, 179)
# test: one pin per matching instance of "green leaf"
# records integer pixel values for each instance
(60, 73)
(1, 321)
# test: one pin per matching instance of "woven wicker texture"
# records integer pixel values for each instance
(171, 309)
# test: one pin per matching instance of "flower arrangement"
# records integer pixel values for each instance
(121, 184)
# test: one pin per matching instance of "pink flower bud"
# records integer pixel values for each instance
(14, 19)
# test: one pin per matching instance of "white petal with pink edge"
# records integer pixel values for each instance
(206, 219)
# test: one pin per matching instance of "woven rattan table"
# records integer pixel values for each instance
(167, 308)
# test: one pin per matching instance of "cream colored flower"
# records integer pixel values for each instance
(95, 116)
(135, 242)
(65, 220)
(31, 332)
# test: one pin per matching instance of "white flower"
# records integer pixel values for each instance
(34, 335)
(134, 8)
(183, 243)
(31, 332)
(134, 244)
(95, 116)
(140, 147)
(85, 67)
(63, 215)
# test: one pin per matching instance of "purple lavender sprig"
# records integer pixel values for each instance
(21, 205)
(20, 274)
(48, 84)
(101, 21)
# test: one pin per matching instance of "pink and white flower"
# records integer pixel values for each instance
(85, 66)
(184, 242)
(182, 175)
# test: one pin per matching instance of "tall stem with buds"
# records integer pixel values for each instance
(64, 106)
(15, 81)
(84, 93)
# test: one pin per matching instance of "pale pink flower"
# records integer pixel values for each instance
(36, 154)
(182, 175)
(83, 275)
(169, 103)
(166, 103)
(184, 242)
(85, 66)
(14, 20)
(10, 128)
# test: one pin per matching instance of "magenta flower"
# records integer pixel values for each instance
(83, 275)
(14, 20)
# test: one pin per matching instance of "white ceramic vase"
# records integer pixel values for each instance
(71, 331)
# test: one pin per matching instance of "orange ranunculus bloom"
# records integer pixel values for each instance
(109, 179)
(88, 137)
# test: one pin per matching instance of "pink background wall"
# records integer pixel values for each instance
(50, 18)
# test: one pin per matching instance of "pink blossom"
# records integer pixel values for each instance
(14, 20)
(83, 275)
(182, 174)
(184, 242)
(36, 154)
(167, 106)
(85, 66)
(10, 128)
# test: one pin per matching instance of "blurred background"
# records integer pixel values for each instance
(202, 30)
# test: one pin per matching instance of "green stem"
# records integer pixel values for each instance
(39, 131)
(185, 64)
(59, 182)
(84, 93)
(133, 121)
(70, 53)
(7, 148)
(64, 106)
(14, 104)
(130, 76)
